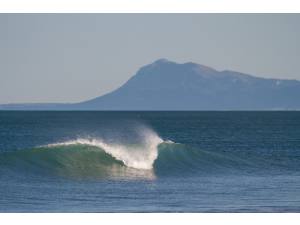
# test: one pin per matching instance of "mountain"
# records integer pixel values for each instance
(166, 85)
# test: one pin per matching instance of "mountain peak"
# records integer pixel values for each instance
(162, 61)
(195, 66)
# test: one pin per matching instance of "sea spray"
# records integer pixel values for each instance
(139, 155)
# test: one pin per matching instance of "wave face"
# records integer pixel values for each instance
(138, 156)
(85, 157)
(147, 157)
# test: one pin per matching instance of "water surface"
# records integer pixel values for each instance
(149, 161)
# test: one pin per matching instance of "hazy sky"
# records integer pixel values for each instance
(74, 57)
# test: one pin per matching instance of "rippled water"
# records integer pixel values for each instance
(149, 161)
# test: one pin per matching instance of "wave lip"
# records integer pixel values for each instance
(131, 156)
(138, 156)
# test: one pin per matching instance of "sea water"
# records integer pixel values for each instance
(149, 161)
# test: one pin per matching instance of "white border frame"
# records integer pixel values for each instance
(151, 218)
(150, 6)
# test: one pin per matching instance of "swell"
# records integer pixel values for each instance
(74, 160)
(96, 158)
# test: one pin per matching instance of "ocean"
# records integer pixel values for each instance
(94, 161)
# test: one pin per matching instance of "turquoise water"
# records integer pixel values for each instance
(149, 161)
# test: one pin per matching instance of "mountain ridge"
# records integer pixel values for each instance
(167, 85)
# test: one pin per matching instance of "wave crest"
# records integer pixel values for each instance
(139, 155)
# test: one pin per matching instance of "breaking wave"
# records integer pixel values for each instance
(147, 158)
(139, 156)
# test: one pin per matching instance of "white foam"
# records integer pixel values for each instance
(169, 142)
(140, 156)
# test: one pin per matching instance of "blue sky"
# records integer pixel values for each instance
(74, 57)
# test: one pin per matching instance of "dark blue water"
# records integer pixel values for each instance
(149, 161)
